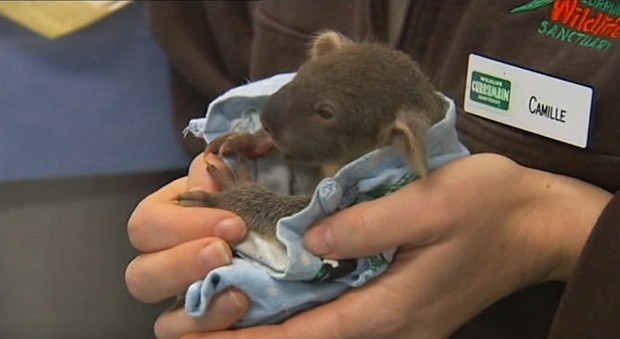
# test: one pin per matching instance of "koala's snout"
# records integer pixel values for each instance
(274, 109)
(266, 126)
(269, 118)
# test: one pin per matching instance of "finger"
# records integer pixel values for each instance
(333, 320)
(405, 216)
(224, 310)
(155, 276)
(158, 222)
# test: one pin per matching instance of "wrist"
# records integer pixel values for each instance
(563, 213)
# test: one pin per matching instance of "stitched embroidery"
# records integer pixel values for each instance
(588, 23)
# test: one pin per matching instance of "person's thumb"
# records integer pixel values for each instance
(365, 229)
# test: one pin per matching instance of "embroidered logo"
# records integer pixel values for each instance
(589, 23)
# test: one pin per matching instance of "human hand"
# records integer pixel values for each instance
(180, 246)
(470, 233)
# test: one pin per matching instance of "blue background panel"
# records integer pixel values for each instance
(93, 102)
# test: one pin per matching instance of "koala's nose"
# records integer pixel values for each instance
(265, 125)
(275, 107)
(269, 118)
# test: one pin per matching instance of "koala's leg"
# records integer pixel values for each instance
(259, 207)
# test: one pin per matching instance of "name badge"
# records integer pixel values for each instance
(528, 100)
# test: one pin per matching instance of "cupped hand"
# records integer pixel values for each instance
(181, 245)
(470, 233)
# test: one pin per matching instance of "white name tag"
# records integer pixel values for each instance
(531, 101)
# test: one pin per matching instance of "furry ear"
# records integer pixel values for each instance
(327, 42)
(408, 133)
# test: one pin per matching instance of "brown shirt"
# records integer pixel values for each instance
(216, 45)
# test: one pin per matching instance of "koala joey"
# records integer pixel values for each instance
(346, 100)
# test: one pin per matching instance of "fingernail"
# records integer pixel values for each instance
(319, 239)
(230, 229)
(215, 255)
(231, 303)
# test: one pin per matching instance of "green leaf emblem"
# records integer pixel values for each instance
(530, 6)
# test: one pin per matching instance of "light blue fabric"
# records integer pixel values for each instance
(281, 289)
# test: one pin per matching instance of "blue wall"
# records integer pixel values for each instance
(93, 102)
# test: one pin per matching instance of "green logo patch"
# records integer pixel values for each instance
(490, 90)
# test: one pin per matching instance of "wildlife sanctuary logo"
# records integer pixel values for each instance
(591, 24)
(489, 90)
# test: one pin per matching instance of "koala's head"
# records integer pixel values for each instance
(343, 101)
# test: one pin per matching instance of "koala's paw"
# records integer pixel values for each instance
(249, 145)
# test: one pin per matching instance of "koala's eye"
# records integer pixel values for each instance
(325, 112)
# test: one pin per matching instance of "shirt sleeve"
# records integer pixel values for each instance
(591, 302)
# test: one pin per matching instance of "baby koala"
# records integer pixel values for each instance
(348, 99)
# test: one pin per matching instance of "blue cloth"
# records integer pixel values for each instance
(279, 286)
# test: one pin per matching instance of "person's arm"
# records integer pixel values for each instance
(470, 233)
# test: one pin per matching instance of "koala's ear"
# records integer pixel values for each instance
(327, 42)
(408, 133)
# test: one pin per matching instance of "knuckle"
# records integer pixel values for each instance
(135, 229)
(439, 207)
(393, 323)
(134, 282)
(392, 320)
(442, 200)
(159, 328)
(138, 284)
(361, 219)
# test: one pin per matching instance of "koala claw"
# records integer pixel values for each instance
(250, 145)
(224, 182)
